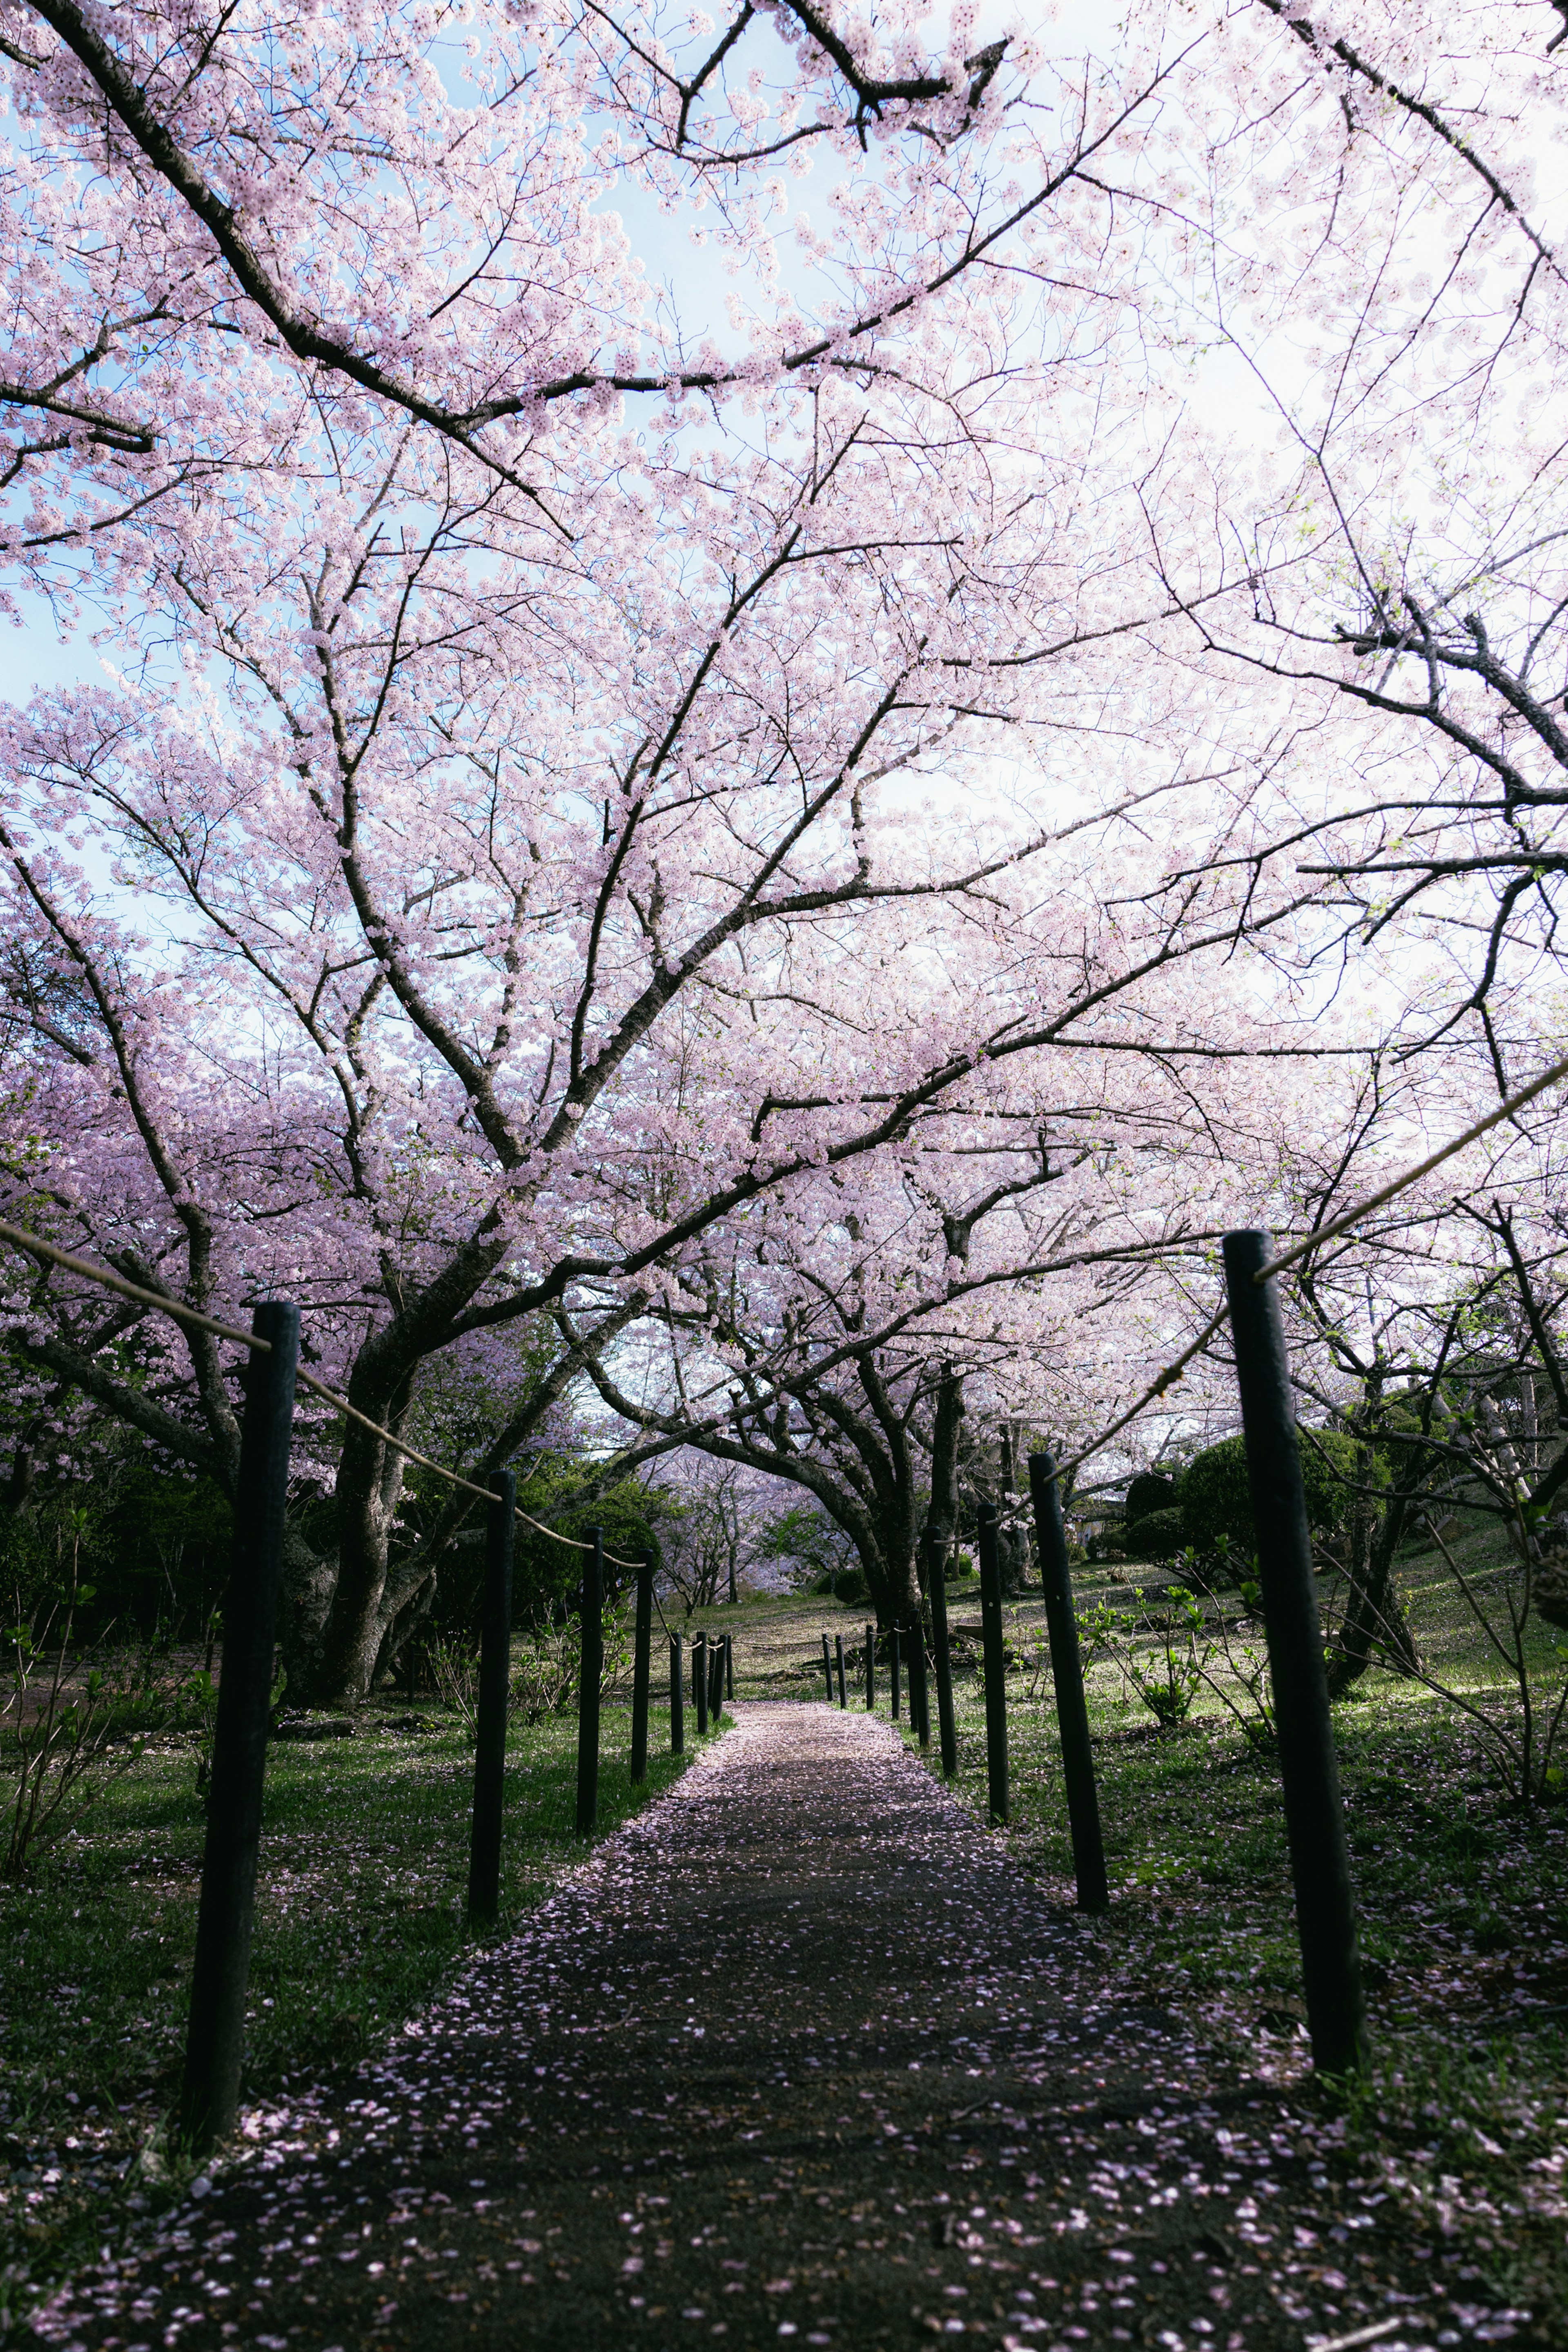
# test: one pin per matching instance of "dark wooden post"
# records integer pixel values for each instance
(588, 1689)
(729, 1666)
(828, 1668)
(676, 1699)
(716, 1682)
(215, 2039)
(642, 1666)
(893, 1666)
(843, 1695)
(919, 1698)
(995, 1669)
(941, 1654)
(871, 1669)
(1067, 1673)
(1308, 1767)
(495, 1688)
(700, 1682)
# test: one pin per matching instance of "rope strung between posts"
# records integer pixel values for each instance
(1505, 1109)
(192, 1316)
(1315, 1239)
(1157, 1387)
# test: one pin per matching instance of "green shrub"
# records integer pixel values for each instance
(1157, 1536)
(843, 1583)
(1214, 1500)
(1150, 1492)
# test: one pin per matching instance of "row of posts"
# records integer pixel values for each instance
(209, 2093)
(1309, 1765)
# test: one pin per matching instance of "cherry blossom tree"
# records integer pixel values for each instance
(1010, 1270)
(1394, 570)
(578, 786)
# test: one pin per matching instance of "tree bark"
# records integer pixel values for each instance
(1374, 1630)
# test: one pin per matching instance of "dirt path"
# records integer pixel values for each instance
(799, 2054)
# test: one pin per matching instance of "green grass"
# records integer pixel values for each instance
(359, 1918)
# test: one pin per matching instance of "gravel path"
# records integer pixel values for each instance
(799, 2053)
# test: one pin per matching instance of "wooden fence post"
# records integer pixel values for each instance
(942, 1653)
(828, 1668)
(893, 1663)
(729, 1666)
(1067, 1673)
(843, 1696)
(215, 2039)
(700, 1682)
(588, 1689)
(642, 1666)
(676, 1699)
(995, 1667)
(716, 1682)
(1308, 1766)
(871, 1669)
(495, 1689)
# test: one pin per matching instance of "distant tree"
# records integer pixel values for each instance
(709, 1538)
(807, 1542)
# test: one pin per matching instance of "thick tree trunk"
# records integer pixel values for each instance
(331, 1662)
(895, 1592)
(310, 1578)
(944, 1452)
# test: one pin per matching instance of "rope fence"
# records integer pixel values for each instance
(1325, 1910)
(209, 2088)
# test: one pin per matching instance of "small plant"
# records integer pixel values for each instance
(196, 1705)
(1099, 1630)
(455, 1671)
(544, 1679)
(1246, 1672)
(1523, 1752)
(56, 1732)
(1168, 1678)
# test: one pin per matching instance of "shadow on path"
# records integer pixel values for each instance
(798, 2054)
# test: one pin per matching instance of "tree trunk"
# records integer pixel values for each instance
(1012, 1540)
(1374, 1630)
(331, 1662)
(944, 1453)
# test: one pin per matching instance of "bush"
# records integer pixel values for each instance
(1224, 1568)
(1214, 1500)
(843, 1583)
(1150, 1492)
(1157, 1536)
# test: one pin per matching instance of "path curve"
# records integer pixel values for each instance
(798, 2057)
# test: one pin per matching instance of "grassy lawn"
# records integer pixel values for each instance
(1464, 1897)
(358, 1918)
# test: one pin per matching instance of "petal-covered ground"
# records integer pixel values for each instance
(799, 2054)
